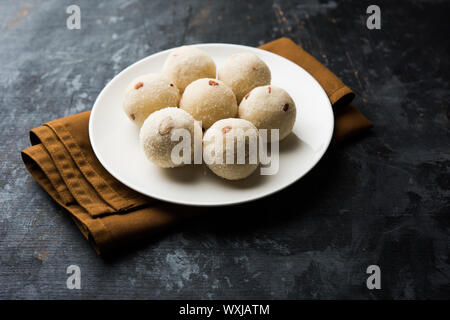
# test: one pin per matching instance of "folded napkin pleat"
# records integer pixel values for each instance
(41, 169)
(39, 157)
(86, 180)
(70, 174)
(105, 232)
(73, 134)
(110, 214)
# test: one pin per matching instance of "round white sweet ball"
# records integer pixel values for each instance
(269, 107)
(156, 135)
(215, 147)
(187, 64)
(242, 72)
(148, 93)
(209, 100)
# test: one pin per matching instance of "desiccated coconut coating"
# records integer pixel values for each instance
(242, 72)
(149, 93)
(209, 100)
(187, 64)
(230, 129)
(155, 135)
(269, 107)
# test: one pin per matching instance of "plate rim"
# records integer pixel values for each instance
(216, 204)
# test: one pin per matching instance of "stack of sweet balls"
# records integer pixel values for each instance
(239, 97)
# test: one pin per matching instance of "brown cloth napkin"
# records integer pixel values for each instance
(110, 214)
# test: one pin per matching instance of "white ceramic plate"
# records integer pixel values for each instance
(115, 139)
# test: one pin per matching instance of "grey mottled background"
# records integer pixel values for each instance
(384, 199)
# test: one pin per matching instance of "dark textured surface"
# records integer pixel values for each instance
(383, 200)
